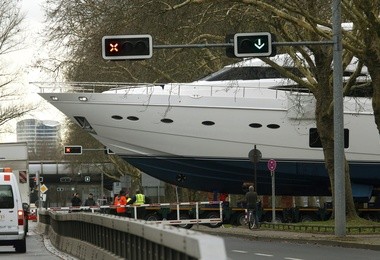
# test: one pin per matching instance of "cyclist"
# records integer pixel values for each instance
(251, 200)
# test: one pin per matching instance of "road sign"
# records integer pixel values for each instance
(272, 165)
(253, 44)
(43, 188)
(255, 155)
(23, 176)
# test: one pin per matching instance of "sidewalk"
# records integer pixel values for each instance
(353, 241)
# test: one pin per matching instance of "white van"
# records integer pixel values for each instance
(13, 221)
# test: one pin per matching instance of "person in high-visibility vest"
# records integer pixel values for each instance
(121, 202)
(138, 199)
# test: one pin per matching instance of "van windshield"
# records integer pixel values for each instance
(6, 197)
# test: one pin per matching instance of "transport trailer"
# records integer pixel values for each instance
(216, 213)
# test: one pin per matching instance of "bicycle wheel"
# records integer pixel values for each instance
(251, 221)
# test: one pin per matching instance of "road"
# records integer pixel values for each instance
(39, 248)
(244, 249)
(36, 248)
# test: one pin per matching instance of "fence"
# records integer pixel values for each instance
(155, 207)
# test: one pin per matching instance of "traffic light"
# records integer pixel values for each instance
(41, 180)
(127, 47)
(73, 149)
(253, 44)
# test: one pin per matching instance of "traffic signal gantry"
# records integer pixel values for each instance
(78, 149)
(135, 47)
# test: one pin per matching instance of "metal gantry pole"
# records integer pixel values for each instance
(272, 173)
(339, 179)
(102, 186)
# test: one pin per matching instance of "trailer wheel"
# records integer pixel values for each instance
(181, 216)
(152, 217)
(371, 216)
(240, 219)
(307, 218)
(268, 218)
(213, 215)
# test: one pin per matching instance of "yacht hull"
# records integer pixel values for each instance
(203, 142)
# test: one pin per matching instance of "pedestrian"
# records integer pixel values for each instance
(76, 201)
(120, 202)
(223, 197)
(251, 203)
(136, 200)
(90, 200)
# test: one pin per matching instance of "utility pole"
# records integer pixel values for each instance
(339, 179)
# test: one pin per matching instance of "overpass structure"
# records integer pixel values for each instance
(64, 178)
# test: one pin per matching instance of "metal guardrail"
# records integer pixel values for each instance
(95, 236)
(197, 206)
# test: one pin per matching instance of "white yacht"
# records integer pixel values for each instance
(198, 135)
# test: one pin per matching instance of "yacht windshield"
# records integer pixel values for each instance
(246, 73)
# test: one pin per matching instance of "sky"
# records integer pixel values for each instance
(33, 49)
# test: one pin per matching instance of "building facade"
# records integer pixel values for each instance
(43, 138)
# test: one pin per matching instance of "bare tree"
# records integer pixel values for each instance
(364, 42)
(10, 41)
(296, 21)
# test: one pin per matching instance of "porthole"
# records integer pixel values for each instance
(133, 118)
(208, 123)
(255, 125)
(273, 126)
(166, 120)
(116, 117)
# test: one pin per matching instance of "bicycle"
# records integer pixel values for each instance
(251, 219)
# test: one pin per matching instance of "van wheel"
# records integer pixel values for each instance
(20, 246)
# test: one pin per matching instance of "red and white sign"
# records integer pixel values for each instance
(272, 165)
(22, 176)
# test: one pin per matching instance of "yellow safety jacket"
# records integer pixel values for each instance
(140, 199)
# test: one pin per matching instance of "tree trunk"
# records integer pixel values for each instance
(375, 76)
(325, 126)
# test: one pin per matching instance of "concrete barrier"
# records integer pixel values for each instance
(101, 236)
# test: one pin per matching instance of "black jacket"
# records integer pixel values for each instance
(251, 199)
(75, 201)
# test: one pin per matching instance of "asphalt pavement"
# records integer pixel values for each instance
(364, 241)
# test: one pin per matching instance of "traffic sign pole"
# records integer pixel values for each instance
(273, 198)
(272, 164)
(255, 156)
